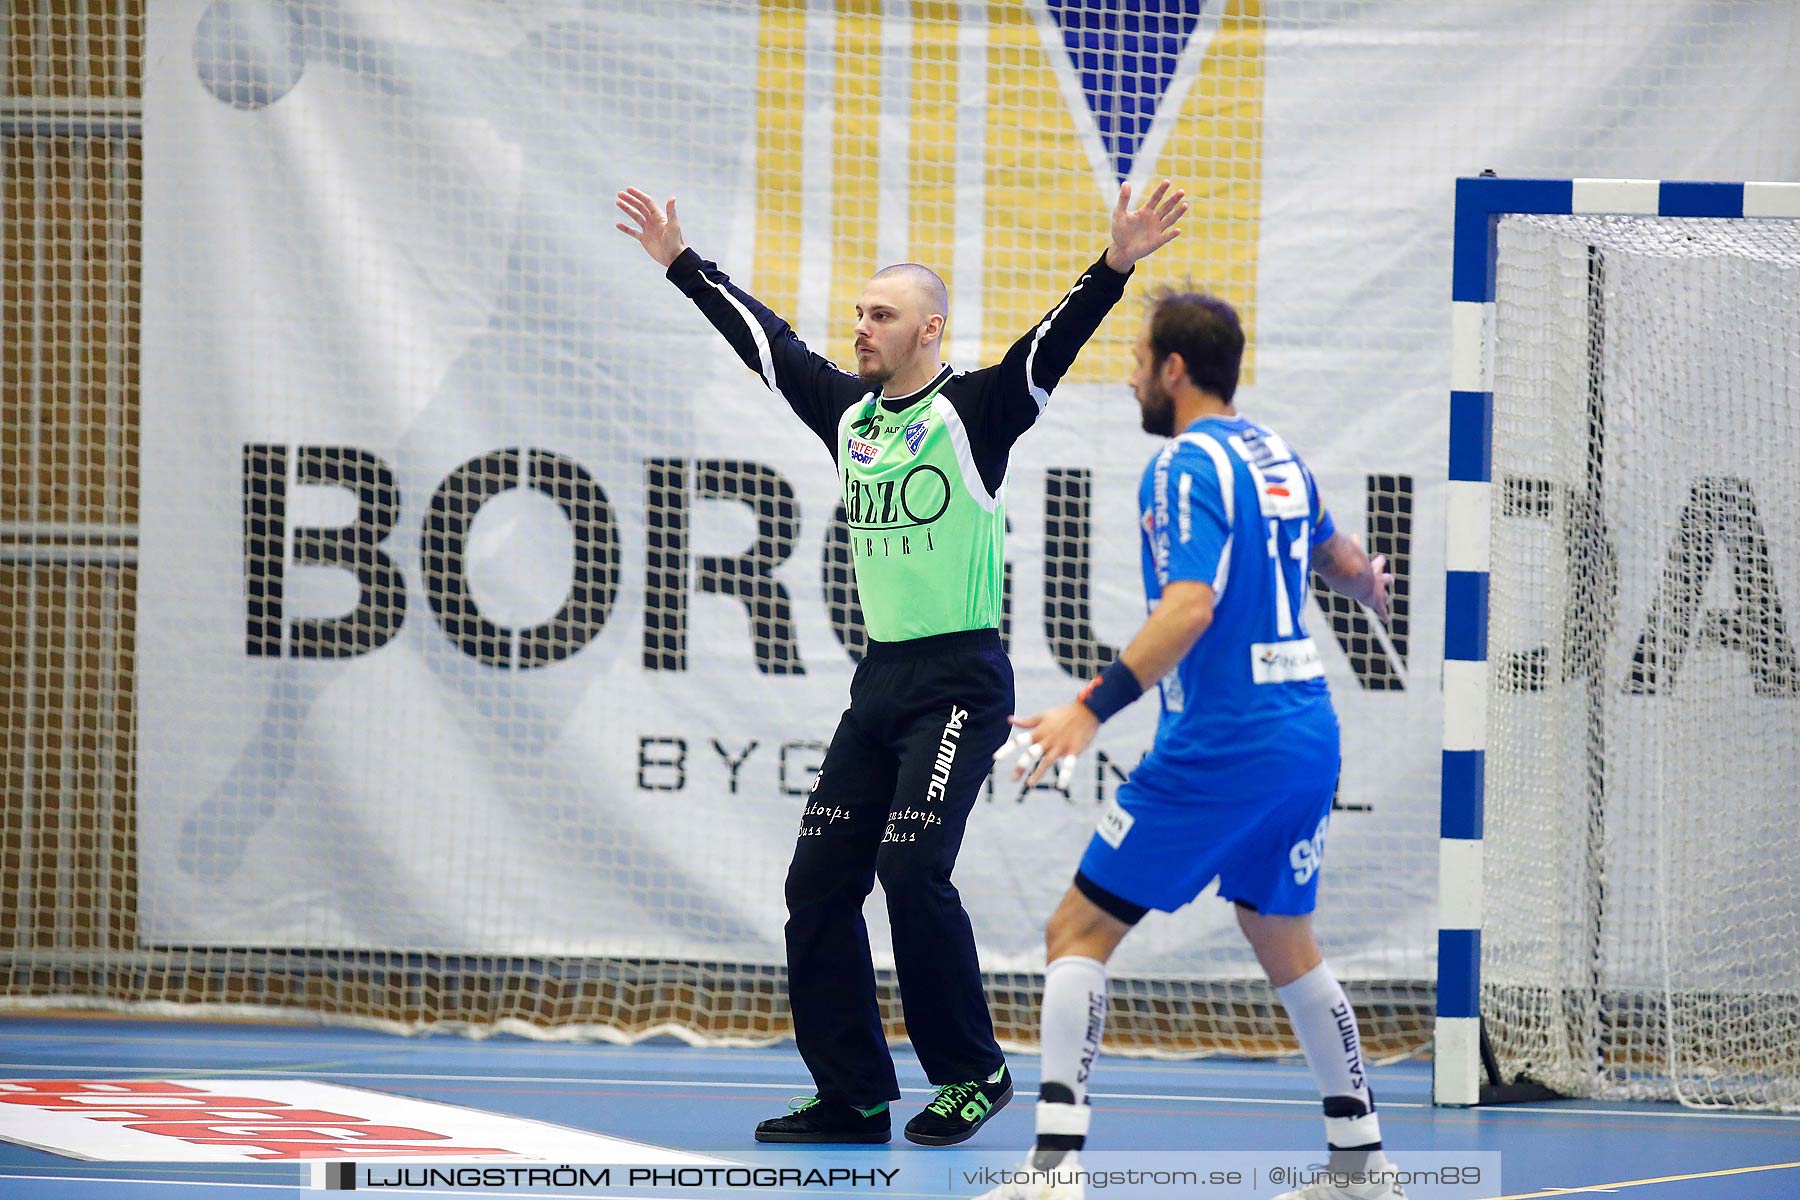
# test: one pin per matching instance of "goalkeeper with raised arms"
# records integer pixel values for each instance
(921, 449)
(1239, 782)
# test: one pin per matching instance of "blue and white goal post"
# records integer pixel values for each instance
(1461, 1058)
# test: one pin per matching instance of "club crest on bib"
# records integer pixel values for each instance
(915, 437)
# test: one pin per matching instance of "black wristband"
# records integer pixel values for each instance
(1113, 690)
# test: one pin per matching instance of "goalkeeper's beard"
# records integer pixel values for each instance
(876, 375)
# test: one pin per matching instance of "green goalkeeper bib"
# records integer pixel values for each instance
(926, 537)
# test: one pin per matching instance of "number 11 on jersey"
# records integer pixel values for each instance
(1288, 620)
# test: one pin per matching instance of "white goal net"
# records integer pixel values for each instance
(412, 613)
(1642, 933)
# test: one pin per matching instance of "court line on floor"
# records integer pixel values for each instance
(1146, 1065)
(594, 1081)
(770, 1056)
(1632, 1183)
(612, 1081)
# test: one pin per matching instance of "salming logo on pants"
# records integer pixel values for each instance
(904, 769)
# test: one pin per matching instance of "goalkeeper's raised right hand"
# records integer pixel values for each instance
(657, 230)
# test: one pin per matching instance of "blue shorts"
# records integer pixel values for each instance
(1163, 838)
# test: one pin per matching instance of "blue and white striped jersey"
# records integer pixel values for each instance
(1226, 502)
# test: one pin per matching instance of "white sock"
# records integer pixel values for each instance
(1074, 1016)
(1326, 1026)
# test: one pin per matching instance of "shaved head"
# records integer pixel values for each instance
(934, 297)
(900, 327)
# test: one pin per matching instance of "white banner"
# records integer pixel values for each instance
(446, 492)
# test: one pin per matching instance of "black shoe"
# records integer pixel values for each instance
(959, 1109)
(816, 1120)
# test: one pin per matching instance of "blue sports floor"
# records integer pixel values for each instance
(708, 1100)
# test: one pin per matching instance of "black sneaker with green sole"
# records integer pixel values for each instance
(959, 1109)
(816, 1120)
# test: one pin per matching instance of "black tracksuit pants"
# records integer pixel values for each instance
(904, 769)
